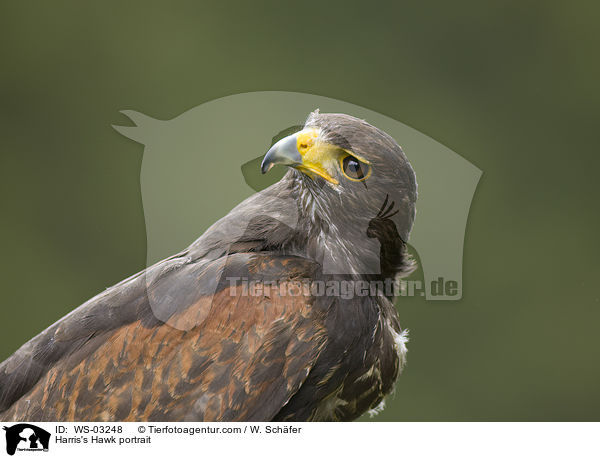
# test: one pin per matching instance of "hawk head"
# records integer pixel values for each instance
(351, 176)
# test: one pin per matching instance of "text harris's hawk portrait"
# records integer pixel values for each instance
(250, 326)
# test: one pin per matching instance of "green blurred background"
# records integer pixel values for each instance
(510, 85)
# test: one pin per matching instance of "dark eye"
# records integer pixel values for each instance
(354, 169)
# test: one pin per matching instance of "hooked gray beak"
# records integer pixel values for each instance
(284, 152)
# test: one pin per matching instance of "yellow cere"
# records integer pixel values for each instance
(319, 158)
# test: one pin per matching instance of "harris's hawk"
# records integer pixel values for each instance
(248, 323)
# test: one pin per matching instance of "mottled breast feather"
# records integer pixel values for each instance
(242, 359)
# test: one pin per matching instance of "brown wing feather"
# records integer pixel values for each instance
(240, 357)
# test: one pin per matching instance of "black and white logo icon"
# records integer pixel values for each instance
(26, 437)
